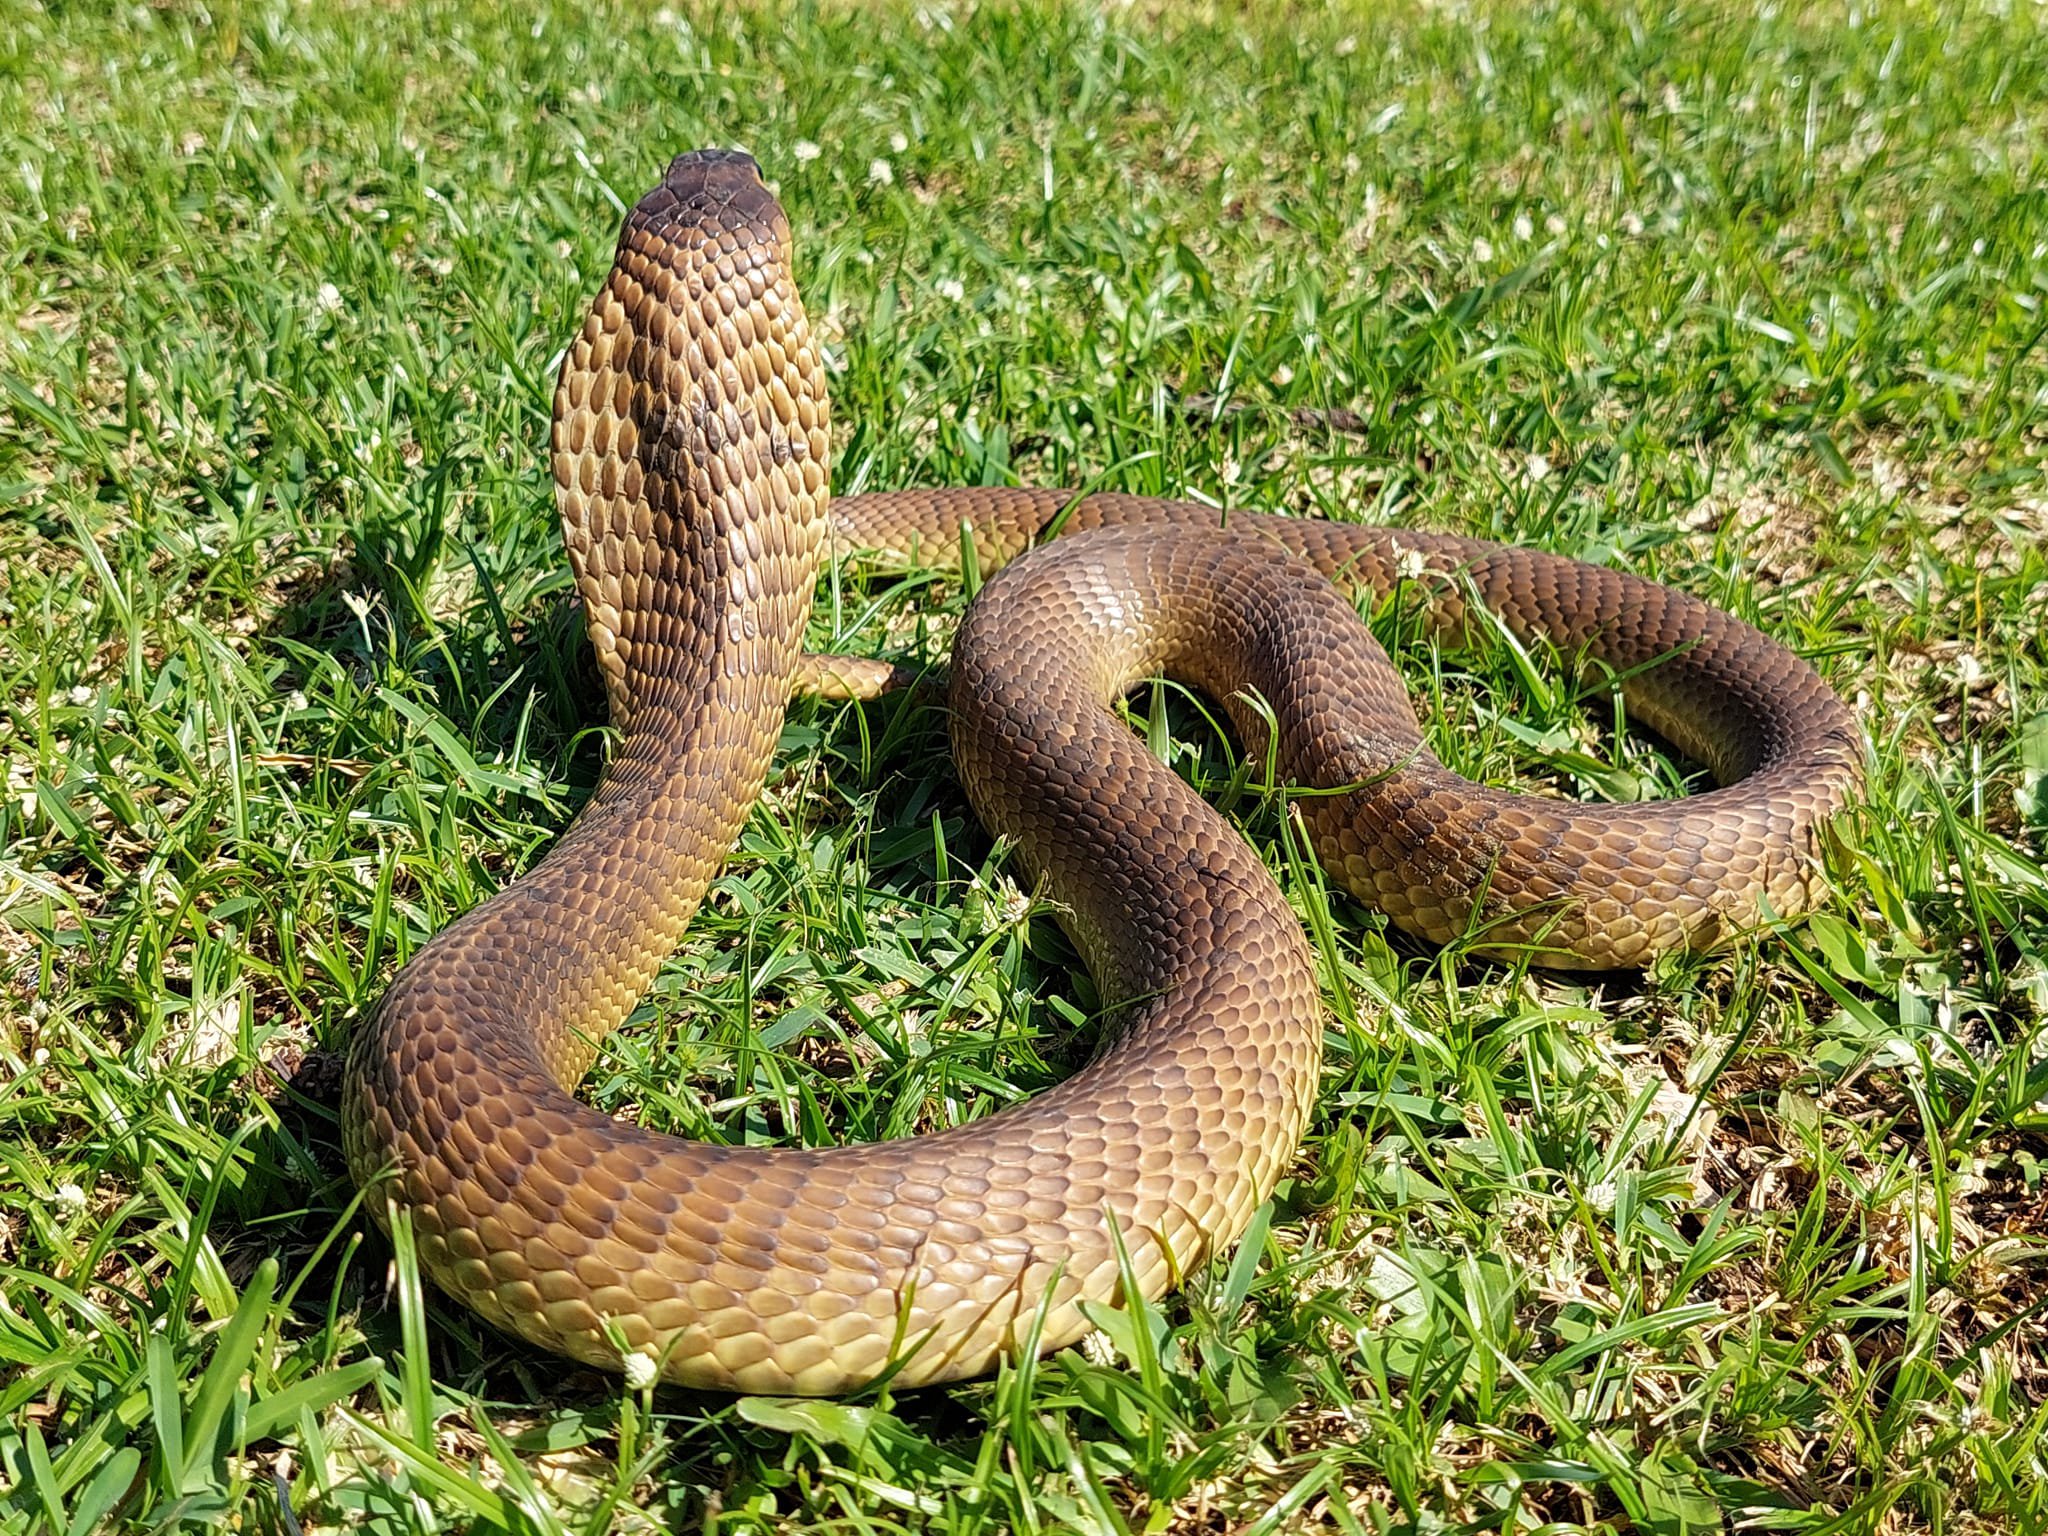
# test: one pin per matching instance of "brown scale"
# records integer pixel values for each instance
(690, 453)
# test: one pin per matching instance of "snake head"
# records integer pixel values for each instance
(712, 191)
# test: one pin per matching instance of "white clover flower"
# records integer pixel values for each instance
(1523, 228)
(1409, 564)
(1482, 249)
(1539, 468)
(640, 1369)
(898, 142)
(881, 173)
(1012, 905)
(70, 1199)
(804, 151)
(949, 288)
(328, 300)
(1098, 1347)
(81, 695)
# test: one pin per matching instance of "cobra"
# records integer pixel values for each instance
(690, 455)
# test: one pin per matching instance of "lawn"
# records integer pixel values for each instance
(1750, 302)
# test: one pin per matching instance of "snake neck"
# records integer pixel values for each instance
(689, 453)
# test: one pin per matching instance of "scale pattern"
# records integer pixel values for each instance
(690, 452)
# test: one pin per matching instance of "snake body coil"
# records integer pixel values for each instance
(690, 453)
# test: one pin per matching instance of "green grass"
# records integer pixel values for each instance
(289, 675)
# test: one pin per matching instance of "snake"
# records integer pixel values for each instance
(690, 448)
